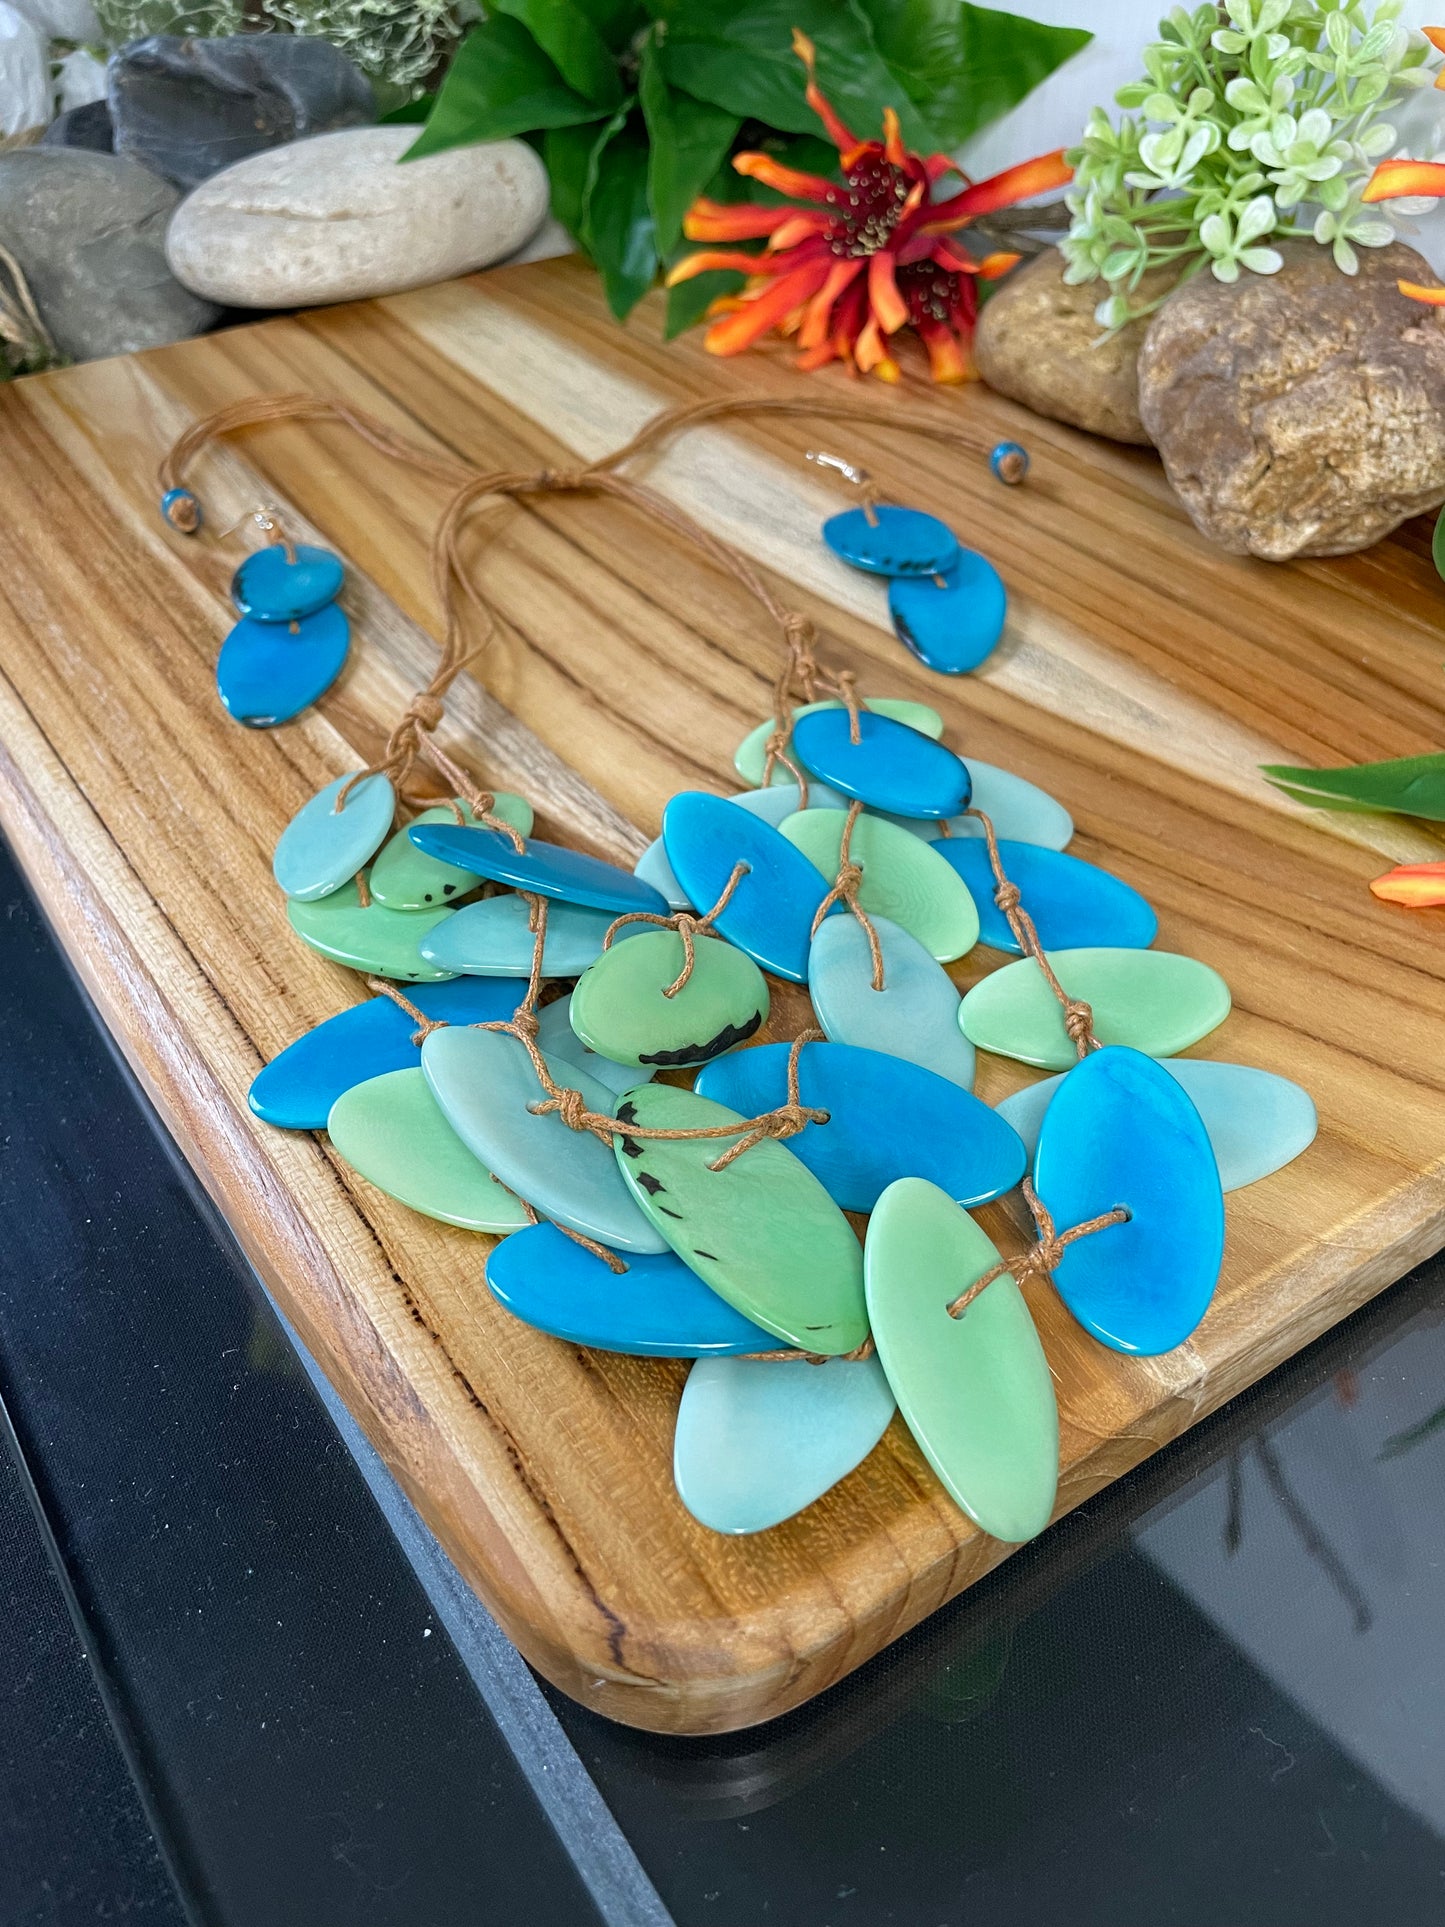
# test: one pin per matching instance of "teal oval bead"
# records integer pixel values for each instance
(914, 1016)
(761, 1231)
(404, 879)
(975, 1391)
(1018, 809)
(556, 1038)
(484, 1083)
(653, 867)
(268, 672)
(1257, 1122)
(493, 939)
(904, 878)
(656, 1308)
(269, 587)
(891, 766)
(758, 1440)
(770, 914)
(323, 847)
(1154, 1000)
(1121, 1131)
(781, 799)
(545, 869)
(391, 1131)
(750, 757)
(621, 1006)
(1074, 905)
(382, 942)
(954, 627)
(892, 540)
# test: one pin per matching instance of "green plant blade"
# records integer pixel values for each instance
(689, 139)
(570, 41)
(1406, 786)
(1313, 800)
(617, 218)
(1437, 544)
(501, 84)
(567, 156)
(411, 112)
(963, 65)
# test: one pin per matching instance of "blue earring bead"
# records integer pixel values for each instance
(890, 767)
(1121, 1131)
(914, 1016)
(897, 541)
(268, 672)
(951, 622)
(770, 914)
(297, 1089)
(327, 841)
(887, 1119)
(545, 869)
(1009, 462)
(1074, 905)
(181, 511)
(657, 1308)
(271, 588)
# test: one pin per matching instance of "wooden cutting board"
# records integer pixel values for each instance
(1143, 677)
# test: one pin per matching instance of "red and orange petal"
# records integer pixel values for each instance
(766, 309)
(1420, 886)
(738, 221)
(946, 357)
(706, 259)
(1038, 176)
(1391, 179)
(1436, 37)
(802, 225)
(1417, 291)
(993, 267)
(837, 132)
(816, 323)
(787, 180)
(888, 306)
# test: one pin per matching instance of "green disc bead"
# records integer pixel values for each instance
(752, 752)
(975, 1391)
(762, 1231)
(1155, 1000)
(405, 878)
(620, 1008)
(904, 877)
(391, 1130)
(380, 941)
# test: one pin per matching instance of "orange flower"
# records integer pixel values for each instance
(865, 257)
(1393, 179)
(1419, 885)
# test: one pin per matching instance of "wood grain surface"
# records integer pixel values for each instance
(1142, 678)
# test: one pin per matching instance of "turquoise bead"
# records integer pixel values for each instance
(770, 914)
(751, 755)
(781, 799)
(895, 541)
(556, 1038)
(886, 1119)
(273, 589)
(890, 767)
(493, 939)
(268, 672)
(954, 627)
(545, 869)
(653, 867)
(657, 1308)
(1257, 1122)
(757, 1441)
(1074, 905)
(914, 1016)
(323, 847)
(1121, 1131)
(1018, 810)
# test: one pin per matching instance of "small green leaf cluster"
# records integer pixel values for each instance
(636, 105)
(1257, 121)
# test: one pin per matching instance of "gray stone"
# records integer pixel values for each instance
(186, 109)
(89, 233)
(1303, 412)
(87, 128)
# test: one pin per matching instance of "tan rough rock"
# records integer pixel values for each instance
(1301, 413)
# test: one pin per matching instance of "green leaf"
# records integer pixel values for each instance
(616, 20)
(410, 112)
(500, 84)
(689, 139)
(740, 57)
(567, 156)
(617, 218)
(688, 302)
(574, 46)
(963, 65)
(1406, 786)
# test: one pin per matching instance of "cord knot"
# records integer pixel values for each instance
(562, 478)
(1079, 1023)
(1008, 897)
(425, 711)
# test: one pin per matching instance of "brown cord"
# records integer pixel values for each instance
(685, 924)
(1078, 1015)
(425, 1025)
(845, 891)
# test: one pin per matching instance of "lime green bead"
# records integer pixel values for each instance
(380, 941)
(752, 752)
(904, 877)
(405, 878)
(1153, 999)
(392, 1131)
(620, 1008)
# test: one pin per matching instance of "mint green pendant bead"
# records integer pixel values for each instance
(1154, 1000)
(904, 878)
(752, 752)
(914, 1015)
(753, 1446)
(556, 1038)
(391, 1130)
(975, 1391)
(621, 1010)
(762, 1231)
(404, 878)
(382, 942)
(323, 846)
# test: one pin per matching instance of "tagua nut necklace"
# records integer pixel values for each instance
(864, 856)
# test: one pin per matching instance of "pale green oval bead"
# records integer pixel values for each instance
(328, 841)
(752, 752)
(620, 1009)
(391, 1130)
(405, 878)
(762, 1232)
(904, 878)
(380, 941)
(975, 1391)
(1154, 1000)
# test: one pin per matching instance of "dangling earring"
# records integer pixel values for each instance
(947, 603)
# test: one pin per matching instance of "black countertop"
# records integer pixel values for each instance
(243, 1686)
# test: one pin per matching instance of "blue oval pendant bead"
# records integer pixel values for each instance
(890, 767)
(297, 1089)
(1074, 905)
(546, 869)
(268, 672)
(914, 1015)
(900, 542)
(955, 627)
(270, 589)
(770, 914)
(493, 939)
(887, 1119)
(324, 846)
(1121, 1131)
(657, 1308)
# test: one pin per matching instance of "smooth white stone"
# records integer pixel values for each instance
(914, 1016)
(25, 89)
(334, 218)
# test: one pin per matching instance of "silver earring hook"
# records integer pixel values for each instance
(261, 516)
(848, 470)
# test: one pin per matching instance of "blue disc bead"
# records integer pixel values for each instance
(890, 767)
(1074, 905)
(189, 522)
(272, 589)
(955, 626)
(544, 869)
(898, 542)
(268, 672)
(1009, 462)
